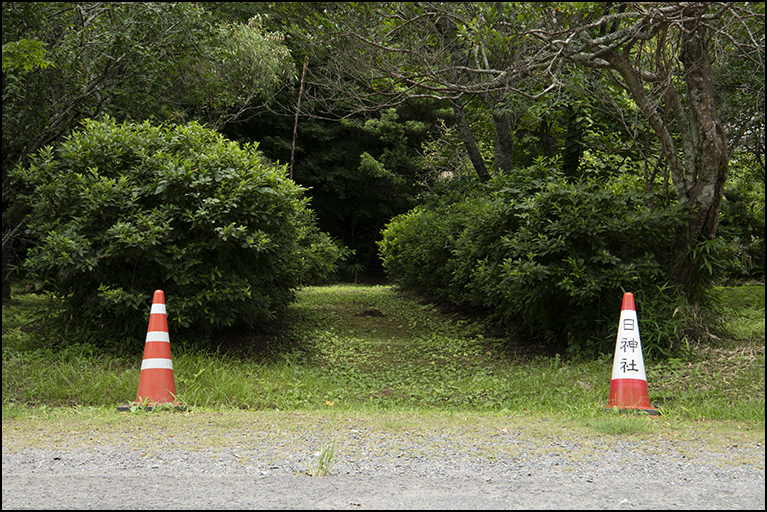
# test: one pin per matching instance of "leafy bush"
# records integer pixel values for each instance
(742, 226)
(319, 255)
(544, 256)
(417, 247)
(122, 210)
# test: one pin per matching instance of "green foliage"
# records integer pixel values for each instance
(359, 172)
(124, 209)
(417, 247)
(544, 256)
(744, 305)
(24, 55)
(166, 61)
(242, 64)
(320, 254)
(741, 222)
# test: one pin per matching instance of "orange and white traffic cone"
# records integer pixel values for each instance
(628, 387)
(156, 384)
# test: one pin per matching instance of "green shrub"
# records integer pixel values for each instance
(417, 247)
(123, 209)
(546, 257)
(319, 255)
(742, 225)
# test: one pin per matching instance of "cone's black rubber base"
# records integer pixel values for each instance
(651, 412)
(149, 408)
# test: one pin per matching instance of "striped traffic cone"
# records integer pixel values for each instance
(156, 384)
(628, 387)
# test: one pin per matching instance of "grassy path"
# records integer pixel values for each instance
(371, 348)
(391, 349)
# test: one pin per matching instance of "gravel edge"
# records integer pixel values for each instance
(383, 469)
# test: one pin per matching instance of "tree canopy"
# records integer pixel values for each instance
(160, 61)
(661, 55)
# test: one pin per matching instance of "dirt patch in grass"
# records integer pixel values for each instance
(374, 312)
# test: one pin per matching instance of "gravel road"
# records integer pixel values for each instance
(392, 470)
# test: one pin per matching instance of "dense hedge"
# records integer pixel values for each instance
(120, 210)
(545, 256)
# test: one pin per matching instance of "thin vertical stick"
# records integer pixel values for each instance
(295, 123)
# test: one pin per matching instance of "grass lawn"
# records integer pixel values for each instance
(377, 355)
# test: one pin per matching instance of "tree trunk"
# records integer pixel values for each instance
(544, 138)
(705, 189)
(295, 122)
(699, 176)
(6, 278)
(504, 141)
(468, 141)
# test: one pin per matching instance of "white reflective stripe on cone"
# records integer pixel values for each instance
(156, 364)
(157, 336)
(157, 309)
